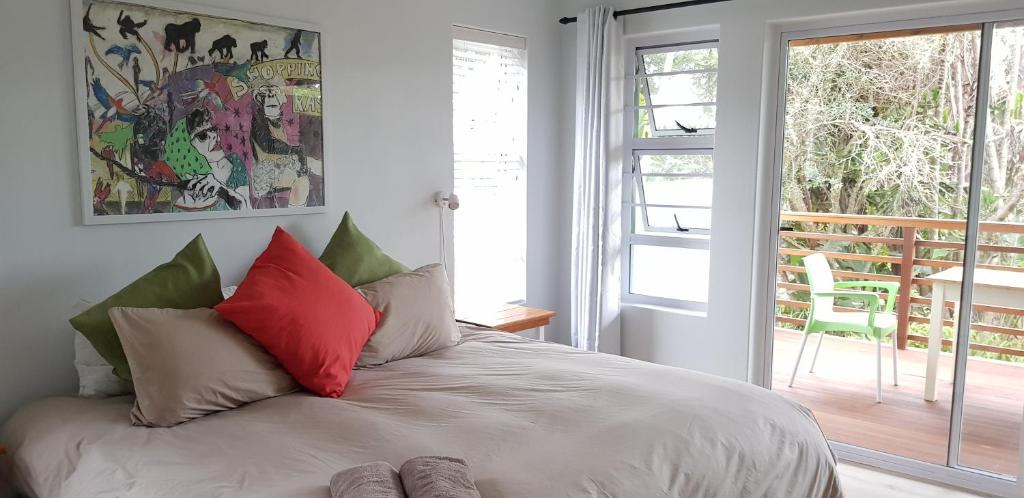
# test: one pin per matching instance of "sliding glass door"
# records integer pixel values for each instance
(989, 433)
(900, 269)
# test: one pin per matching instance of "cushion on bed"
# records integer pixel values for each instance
(416, 316)
(355, 258)
(96, 377)
(189, 280)
(190, 363)
(313, 322)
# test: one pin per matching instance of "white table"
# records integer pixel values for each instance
(992, 287)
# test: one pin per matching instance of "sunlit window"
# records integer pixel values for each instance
(670, 175)
(489, 109)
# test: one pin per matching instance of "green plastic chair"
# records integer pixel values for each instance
(872, 323)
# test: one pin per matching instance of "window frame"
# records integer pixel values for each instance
(637, 175)
(638, 73)
(660, 143)
(766, 233)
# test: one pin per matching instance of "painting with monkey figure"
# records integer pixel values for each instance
(186, 115)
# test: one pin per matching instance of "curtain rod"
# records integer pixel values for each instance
(652, 8)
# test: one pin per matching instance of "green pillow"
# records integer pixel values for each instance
(355, 258)
(188, 281)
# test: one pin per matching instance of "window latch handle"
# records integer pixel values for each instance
(679, 228)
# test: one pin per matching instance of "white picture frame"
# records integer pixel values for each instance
(310, 35)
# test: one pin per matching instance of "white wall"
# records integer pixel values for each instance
(386, 61)
(719, 343)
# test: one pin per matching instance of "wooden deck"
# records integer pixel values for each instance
(841, 393)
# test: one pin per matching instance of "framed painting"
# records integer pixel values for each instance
(185, 112)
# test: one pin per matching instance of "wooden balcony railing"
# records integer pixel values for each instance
(805, 227)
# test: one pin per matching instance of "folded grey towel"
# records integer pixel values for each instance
(371, 480)
(438, 477)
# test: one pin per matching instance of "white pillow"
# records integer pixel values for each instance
(96, 377)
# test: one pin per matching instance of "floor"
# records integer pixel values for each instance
(864, 482)
(841, 393)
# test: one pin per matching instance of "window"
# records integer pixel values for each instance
(669, 175)
(675, 91)
(489, 112)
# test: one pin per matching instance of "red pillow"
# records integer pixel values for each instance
(313, 322)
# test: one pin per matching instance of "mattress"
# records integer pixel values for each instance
(533, 419)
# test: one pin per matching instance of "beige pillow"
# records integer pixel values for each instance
(417, 316)
(189, 363)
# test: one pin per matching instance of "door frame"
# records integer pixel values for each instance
(769, 187)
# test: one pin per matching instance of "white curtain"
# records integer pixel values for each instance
(597, 183)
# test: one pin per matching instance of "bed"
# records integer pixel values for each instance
(533, 419)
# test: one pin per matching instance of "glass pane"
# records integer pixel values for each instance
(670, 272)
(683, 60)
(682, 164)
(694, 187)
(682, 119)
(678, 190)
(661, 219)
(676, 120)
(876, 152)
(489, 100)
(994, 393)
(682, 88)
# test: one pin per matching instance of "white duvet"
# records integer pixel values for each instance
(532, 419)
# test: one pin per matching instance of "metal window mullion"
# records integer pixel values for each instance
(677, 47)
(663, 206)
(699, 243)
(673, 146)
(677, 73)
(674, 151)
(689, 231)
(676, 175)
(642, 201)
(646, 89)
(662, 106)
(963, 338)
(677, 133)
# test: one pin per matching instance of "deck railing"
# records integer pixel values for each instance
(807, 227)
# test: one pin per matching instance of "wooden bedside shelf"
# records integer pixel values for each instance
(510, 318)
